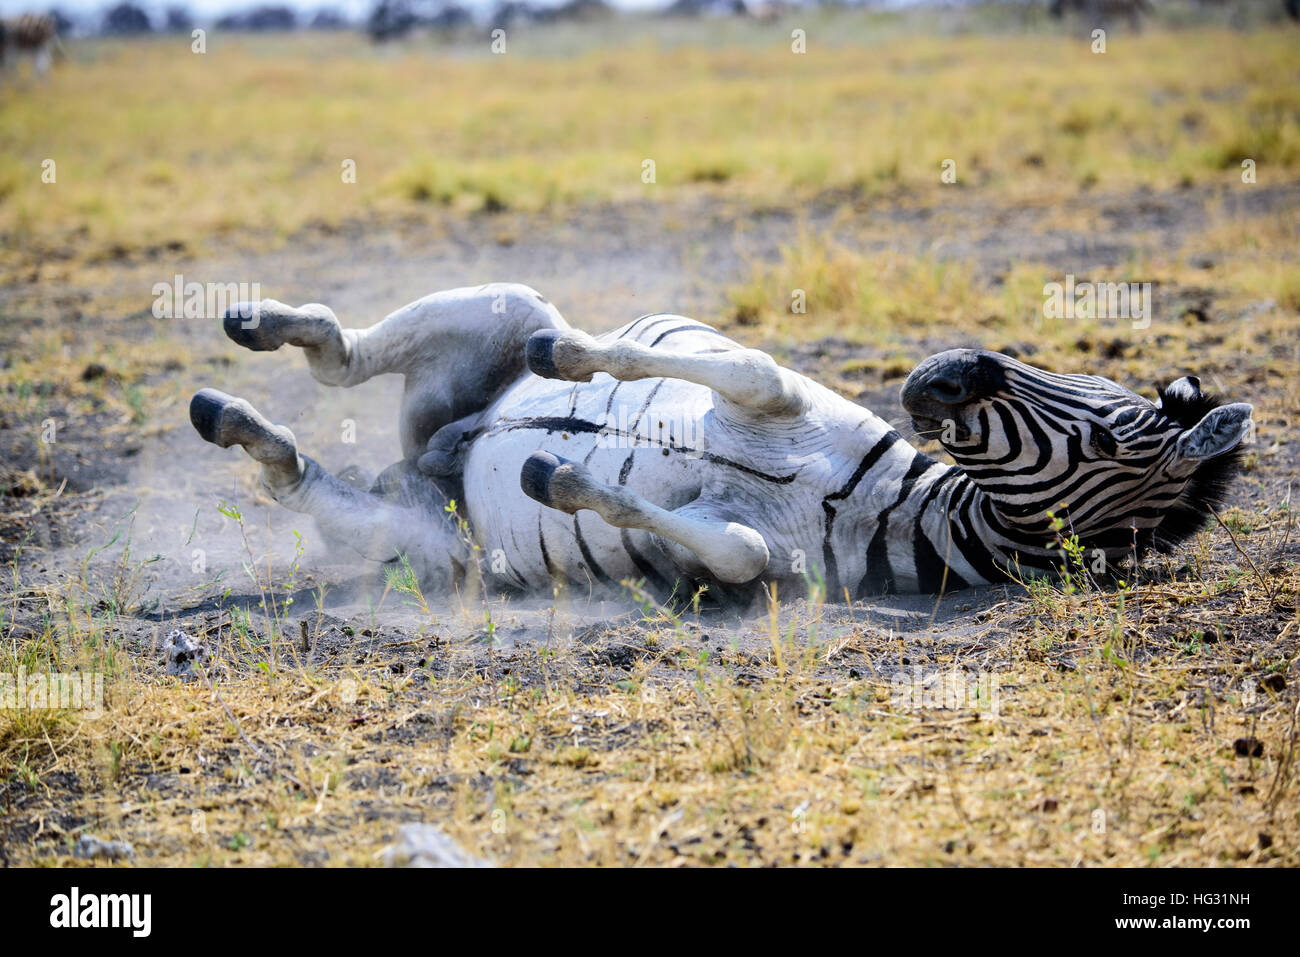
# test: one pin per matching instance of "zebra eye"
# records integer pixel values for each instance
(1104, 442)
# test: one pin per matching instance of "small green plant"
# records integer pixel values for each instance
(275, 610)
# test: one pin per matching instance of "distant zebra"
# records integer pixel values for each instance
(1101, 12)
(35, 35)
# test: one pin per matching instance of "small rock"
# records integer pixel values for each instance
(90, 847)
(1248, 747)
(1258, 308)
(1114, 349)
(1275, 681)
(183, 651)
(93, 371)
(425, 845)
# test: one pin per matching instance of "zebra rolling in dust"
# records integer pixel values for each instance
(666, 453)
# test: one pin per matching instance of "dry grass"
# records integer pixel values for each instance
(1234, 324)
(1113, 744)
(160, 151)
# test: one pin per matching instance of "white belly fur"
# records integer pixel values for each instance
(504, 518)
(580, 422)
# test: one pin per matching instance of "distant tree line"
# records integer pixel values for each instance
(126, 19)
(390, 19)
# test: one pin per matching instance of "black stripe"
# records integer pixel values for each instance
(880, 578)
(572, 424)
(660, 585)
(976, 552)
(637, 322)
(587, 556)
(546, 556)
(659, 321)
(609, 403)
(646, 404)
(696, 327)
(873, 456)
(929, 566)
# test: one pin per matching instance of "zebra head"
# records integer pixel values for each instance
(1101, 457)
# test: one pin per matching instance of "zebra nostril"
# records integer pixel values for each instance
(948, 390)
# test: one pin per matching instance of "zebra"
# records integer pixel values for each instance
(667, 455)
(35, 35)
(1101, 12)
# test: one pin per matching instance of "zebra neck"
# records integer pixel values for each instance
(974, 541)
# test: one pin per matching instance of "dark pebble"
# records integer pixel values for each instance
(1273, 682)
(1248, 747)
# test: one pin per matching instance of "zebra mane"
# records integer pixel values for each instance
(1209, 485)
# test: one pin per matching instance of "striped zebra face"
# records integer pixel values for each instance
(1081, 446)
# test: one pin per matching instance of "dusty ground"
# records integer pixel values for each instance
(1134, 725)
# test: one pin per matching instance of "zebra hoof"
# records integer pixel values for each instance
(535, 477)
(205, 414)
(225, 420)
(246, 323)
(540, 352)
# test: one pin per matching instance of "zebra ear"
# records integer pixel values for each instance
(1186, 389)
(1222, 430)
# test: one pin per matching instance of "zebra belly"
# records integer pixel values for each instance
(646, 435)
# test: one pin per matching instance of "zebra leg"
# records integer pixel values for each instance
(698, 538)
(224, 421)
(402, 515)
(445, 452)
(748, 380)
(269, 324)
(458, 349)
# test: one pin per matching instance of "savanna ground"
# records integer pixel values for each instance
(1147, 721)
